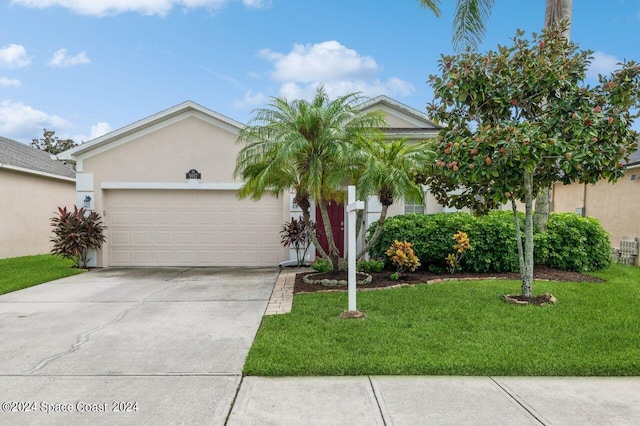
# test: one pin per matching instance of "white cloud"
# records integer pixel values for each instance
(325, 61)
(21, 122)
(602, 64)
(145, 7)
(251, 100)
(14, 56)
(339, 69)
(9, 82)
(99, 129)
(60, 59)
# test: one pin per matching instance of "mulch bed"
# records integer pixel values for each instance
(381, 280)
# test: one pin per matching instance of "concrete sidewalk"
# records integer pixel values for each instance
(417, 400)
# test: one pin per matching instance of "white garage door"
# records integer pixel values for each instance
(192, 228)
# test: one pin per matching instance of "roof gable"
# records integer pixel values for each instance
(21, 157)
(147, 125)
(399, 111)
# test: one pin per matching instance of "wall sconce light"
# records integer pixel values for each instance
(634, 177)
(87, 201)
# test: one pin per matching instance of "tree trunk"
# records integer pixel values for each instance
(527, 273)
(543, 209)
(555, 11)
(306, 217)
(376, 233)
(516, 221)
(334, 254)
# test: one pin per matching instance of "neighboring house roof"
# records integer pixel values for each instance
(124, 134)
(24, 158)
(634, 159)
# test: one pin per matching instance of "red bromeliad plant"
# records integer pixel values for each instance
(77, 232)
(519, 119)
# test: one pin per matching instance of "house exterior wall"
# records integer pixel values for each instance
(616, 206)
(27, 202)
(164, 156)
(167, 154)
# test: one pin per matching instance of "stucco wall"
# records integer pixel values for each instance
(167, 154)
(27, 202)
(617, 206)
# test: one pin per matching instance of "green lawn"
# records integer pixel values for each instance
(459, 328)
(21, 272)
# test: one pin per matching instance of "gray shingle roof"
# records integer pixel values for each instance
(634, 158)
(17, 154)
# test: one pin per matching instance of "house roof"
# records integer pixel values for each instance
(634, 159)
(122, 134)
(387, 104)
(18, 156)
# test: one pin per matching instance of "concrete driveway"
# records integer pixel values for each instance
(129, 346)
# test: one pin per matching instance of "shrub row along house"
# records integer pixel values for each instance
(165, 188)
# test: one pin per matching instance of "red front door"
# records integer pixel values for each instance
(336, 217)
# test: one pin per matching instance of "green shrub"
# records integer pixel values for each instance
(320, 265)
(577, 243)
(371, 265)
(571, 242)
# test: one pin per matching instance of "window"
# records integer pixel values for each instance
(412, 206)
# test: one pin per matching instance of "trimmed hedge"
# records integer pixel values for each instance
(571, 243)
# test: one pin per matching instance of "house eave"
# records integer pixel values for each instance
(81, 151)
(36, 172)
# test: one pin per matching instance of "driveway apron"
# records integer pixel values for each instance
(129, 346)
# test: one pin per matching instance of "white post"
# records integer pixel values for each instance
(352, 207)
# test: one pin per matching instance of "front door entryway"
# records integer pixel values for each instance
(336, 217)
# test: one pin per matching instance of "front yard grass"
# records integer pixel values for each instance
(459, 328)
(21, 272)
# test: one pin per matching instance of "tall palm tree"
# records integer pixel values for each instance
(389, 172)
(305, 146)
(470, 21)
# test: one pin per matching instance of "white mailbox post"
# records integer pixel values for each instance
(352, 207)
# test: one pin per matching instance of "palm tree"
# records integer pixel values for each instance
(305, 146)
(470, 21)
(389, 172)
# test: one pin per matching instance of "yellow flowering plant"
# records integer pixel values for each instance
(460, 247)
(403, 257)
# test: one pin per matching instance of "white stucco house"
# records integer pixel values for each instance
(165, 188)
(32, 187)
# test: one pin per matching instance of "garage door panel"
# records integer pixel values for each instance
(185, 237)
(121, 257)
(142, 256)
(164, 237)
(142, 238)
(164, 257)
(165, 217)
(120, 237)
(191, 228)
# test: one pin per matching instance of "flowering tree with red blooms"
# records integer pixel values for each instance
(521, 118)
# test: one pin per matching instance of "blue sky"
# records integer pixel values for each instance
(84, 67)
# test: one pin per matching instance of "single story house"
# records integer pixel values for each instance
(32, 187)
(165, 188)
